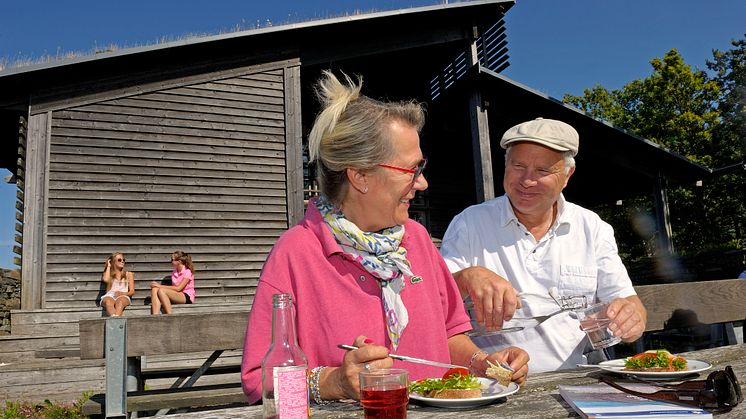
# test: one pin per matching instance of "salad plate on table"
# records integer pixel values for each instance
(491, 391)
(656, 365)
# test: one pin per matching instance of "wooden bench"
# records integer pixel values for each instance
(693, 304)
(121, 340)
(708, 302)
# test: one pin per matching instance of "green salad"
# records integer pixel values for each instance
(454, 382)
(658, 359)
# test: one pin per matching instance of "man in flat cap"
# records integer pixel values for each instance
(512, 250)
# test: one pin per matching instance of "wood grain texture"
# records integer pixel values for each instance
(699, 302)
(294, 145)
(199, 167)
(538, 398)
(177, 333)
(34, 212)
(141, 83)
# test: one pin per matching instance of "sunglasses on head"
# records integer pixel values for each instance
(720, 391)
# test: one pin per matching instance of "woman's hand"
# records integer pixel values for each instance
(154, 284)
(517, 358)
(343, 382)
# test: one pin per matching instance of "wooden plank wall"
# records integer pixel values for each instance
(200, 168)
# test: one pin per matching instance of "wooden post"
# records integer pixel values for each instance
(293, 145)
(663, 215)
(33, 269)
(480, 133)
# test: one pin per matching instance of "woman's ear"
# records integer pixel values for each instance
(358, 180)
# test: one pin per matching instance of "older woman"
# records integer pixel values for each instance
(360, 271)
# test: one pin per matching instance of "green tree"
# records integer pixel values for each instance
(729, 138)
(697, 116)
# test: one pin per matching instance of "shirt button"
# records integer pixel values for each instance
(362, 278)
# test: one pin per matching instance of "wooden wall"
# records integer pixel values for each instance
(198, 167)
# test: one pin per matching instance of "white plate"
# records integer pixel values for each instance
(692, 366)
(491, 391)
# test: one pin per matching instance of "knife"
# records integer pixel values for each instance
(409, 358)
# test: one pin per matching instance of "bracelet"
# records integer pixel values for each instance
(474, 358)
(313, 384)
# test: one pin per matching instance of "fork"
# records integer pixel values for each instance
(540, 319)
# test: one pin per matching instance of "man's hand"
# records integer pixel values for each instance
(628, 318)
(495, 300)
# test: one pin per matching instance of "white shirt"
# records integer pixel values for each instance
(578, 255)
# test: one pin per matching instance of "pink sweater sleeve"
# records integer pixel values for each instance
(258, 339)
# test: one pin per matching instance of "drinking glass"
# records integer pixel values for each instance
(384, 393)
(595, 323)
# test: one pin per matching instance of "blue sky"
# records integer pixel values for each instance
(555, 46)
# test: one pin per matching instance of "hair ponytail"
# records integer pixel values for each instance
(351, 131)
(184, 258)
(334, 97)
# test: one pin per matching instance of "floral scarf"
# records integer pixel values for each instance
(381, 254)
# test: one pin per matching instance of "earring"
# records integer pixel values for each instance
(366, 189)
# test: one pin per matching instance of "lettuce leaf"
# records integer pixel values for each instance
(655, 359)
(454, 382)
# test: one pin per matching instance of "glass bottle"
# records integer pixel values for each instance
(284, 367)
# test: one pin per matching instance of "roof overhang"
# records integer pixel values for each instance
(313, 42)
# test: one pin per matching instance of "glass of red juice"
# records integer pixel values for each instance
(384, 393)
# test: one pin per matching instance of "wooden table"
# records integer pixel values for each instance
(538, 398)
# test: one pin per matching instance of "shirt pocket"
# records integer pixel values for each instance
(578, 280)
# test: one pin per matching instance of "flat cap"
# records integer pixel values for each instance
(551, 133)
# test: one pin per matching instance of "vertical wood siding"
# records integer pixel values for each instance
(199, 168)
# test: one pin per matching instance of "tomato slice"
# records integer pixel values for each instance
(463, 371)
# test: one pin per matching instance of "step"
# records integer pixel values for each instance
(64, 351)
(20, 348)
(56, 380)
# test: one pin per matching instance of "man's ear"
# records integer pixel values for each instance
(567, 177)
(357, 179)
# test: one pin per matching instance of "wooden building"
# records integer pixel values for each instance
(197, 144)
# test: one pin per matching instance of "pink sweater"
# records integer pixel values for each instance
(336, 300)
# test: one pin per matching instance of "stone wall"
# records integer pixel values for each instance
(10, 297)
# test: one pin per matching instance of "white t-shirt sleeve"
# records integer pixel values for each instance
(456, 246)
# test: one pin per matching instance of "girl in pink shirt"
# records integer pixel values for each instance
(181, 290)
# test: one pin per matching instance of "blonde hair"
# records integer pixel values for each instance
(351, 131)
(110, 259)
(184, 258)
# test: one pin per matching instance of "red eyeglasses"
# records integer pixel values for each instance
(416, 172)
